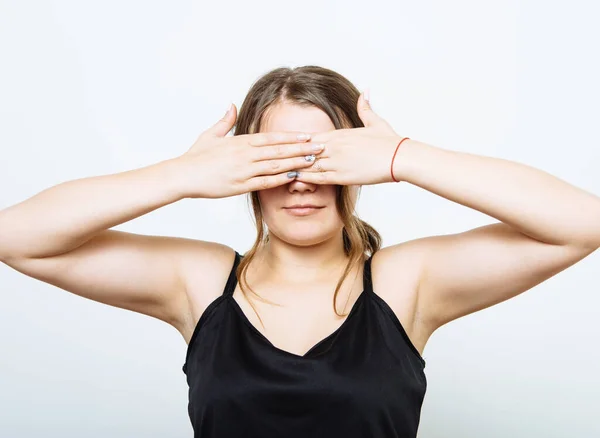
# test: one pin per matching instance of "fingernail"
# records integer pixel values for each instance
(303, 136)
(367, 95)
(309, 158)
(318, 147)
(228, 110)
(292, 174)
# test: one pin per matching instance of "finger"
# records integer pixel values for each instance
(224, 125)
(312, 177)
(285, 151)
(263, 182)
(270, 167)
(320, 165)
(326, 136)
(271, 138)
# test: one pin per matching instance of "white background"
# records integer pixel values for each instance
(89, 88)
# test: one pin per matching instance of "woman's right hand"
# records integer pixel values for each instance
(217, 166)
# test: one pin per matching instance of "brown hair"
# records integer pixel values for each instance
(336, 96)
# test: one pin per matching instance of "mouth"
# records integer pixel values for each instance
(303, 210)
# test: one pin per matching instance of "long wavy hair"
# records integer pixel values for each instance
(308, 86)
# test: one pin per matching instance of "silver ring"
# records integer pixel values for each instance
(318, 166)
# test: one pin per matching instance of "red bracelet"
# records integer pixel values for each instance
(392, 165)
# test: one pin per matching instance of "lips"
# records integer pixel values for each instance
(308, 209)
(304, 206)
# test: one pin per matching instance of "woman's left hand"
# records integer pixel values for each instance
(356, 156)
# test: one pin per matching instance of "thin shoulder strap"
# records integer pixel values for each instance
(232, 280)
(367, 277)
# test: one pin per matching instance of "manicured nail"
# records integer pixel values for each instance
(228, 110)
(292, 174)
(303, 137)
(309, 158)
(318, 147)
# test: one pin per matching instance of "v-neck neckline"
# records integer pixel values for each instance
(306, 355)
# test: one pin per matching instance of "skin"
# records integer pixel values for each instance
(304, 259)
(427, 282)
(308, 247)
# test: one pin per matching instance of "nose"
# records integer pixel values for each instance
(300, 186)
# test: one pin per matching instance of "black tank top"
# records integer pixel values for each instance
(366, 379)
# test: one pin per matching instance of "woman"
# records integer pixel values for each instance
(316, 331)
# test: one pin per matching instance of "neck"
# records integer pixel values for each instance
(281, 261)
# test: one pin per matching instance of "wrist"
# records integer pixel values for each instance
(172, 176)
(405, 156)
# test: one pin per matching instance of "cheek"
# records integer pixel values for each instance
(269, 203)
(268, 197)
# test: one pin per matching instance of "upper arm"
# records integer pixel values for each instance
(469, 271)
(142, 273)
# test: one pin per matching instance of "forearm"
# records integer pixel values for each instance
(534, 202)
(65, 216)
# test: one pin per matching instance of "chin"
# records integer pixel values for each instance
(308, 235)
(305, 241)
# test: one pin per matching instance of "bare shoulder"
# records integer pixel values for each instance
(205, 274)
(396, 271)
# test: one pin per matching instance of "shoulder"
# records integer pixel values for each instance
(396, 273)
(402, 262)
(206, 267)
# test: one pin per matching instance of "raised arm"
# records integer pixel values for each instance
(547, 225)
(62, 235)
